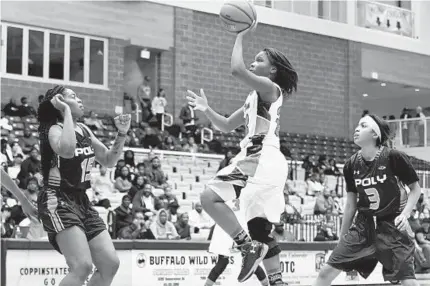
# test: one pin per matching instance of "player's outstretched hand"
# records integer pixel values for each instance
(197, 102)
(122, 122)
(401, 222)
(250, 29)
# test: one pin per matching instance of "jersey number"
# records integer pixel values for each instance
(87, 165)
(373, 197)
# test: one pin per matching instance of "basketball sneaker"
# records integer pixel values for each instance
(252, 255)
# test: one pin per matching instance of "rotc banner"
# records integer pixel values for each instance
(171, 268)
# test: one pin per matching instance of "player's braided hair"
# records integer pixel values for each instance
(48, 115)
(286, 76)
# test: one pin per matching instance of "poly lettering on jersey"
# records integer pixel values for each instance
(372, 181)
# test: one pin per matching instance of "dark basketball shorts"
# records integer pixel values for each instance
(363, 246)
(59, 210)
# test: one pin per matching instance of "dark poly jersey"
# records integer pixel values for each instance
(75, 172)
(380, 184)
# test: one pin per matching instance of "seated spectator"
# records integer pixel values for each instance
(226, 161)
(324, 203)
(332, 169)
(422, 203)
(123, 216)
(308, 165)
(151, 139)
(6, 153)
(422, 236)
(414, 220)
(162, 228)
(17, 150)
(25, 109)
(291, 214)
(11, 108)
(326, 233)
(138, 229)
(102, 187)
(94, 123)
(7, 223)
(4, 123)
(192, 147)
(31, 192)
(182, 227)
(168, 144)
(123, 182)
(138, 185)
(28, 141)
(313, 184)
(168, 197)
(156, 175)
(118, 167)
(339, 203)
(199, 218)
(146, 200)
(29, 168)
(280, 234)
(172, 209)
(129, 160)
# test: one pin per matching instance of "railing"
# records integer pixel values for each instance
(412, 132)
(210, 134)
(388, 18)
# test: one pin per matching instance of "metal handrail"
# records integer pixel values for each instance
(211, 135)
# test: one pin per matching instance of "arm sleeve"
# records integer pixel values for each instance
(402, 167)
(349, 179)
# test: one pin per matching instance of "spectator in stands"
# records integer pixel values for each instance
(146, 199)
(123, 182)
(326, 233)
(93, 122)
(420, 125)
(227, 158)
(162, 228)
(168, 197)
(31, 191)
(25, 109)
(324, 203)
(414, 220)
(425, 214)
(192, 147)
(129, 160)
(339, 203)
(11, 108)
(142, 170)
(7, 225)
(199, 218)
(291, 214)
(4, 123)
(40, 98)
(138, 229)
(119, 165)
(144, 95)
(29, 168)
(308, 165)
(422, 236)
(151, 139)
(159, 104)
(102, 187)
(314, 185)
(17, 150)
(123, 216)
(27, 141)
(280, 234)
(188, 117)
(6, 153)
(405, 126)
(172, 209)
(332, 169)
(182, 227)
(422, 204)
(322, 164)
(169, 144)
(139, 183)
(156, 175)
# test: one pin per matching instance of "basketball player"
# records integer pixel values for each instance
(222, 245)
(68, 151)
(376, 175)
(260, 168)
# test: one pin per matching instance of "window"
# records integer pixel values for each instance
(35, 53)
(14, 50)
(53, 56)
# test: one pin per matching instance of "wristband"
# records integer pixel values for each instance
(121, 134)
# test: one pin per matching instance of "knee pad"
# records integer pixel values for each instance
(259, 230)
(219, 268)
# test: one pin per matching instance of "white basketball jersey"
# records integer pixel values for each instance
(262, 118)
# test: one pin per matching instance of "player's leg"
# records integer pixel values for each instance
(261, 276)
(395, 250)
(102, 249)
(326, 275)
(217, 270)
(72, 242)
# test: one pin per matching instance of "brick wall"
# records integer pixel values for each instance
(324, 104)
(102, 101)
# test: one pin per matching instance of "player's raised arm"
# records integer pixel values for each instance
(251, 77)
(63, 140)
(109, 157)
(224, 124)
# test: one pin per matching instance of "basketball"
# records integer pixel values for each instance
(237, 16)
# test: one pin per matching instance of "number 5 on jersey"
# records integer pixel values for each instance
(87, 166)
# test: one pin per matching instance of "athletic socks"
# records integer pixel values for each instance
(209, 282)
(241, 238)
(261, 276)
(275, 278)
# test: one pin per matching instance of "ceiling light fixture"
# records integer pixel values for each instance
(365, 95)
(383, 84)
(417, 89)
